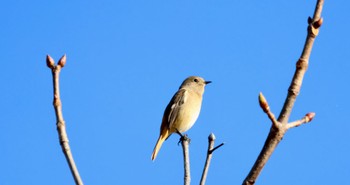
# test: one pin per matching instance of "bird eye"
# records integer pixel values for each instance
(195, 80)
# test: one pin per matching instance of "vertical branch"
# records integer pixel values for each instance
(302, 64)
(60, 123)
(280, 126)
(185, 143)
(211, 142)
(211, 149)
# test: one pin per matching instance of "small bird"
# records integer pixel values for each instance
(182, 110)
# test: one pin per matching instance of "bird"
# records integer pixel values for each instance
(182, 111)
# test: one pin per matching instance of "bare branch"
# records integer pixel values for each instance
(266, 108)
(211, 149)
(50, 62)
(302, 64)
(60, 123)
(307, 118)
(276, 135)
(217, 147)
(272, 140)
(185, 142)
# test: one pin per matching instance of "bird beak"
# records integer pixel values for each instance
(207, 82)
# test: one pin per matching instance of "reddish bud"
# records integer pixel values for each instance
(62, 61)
(263, 103)
(318, 23)
(309, 116)
(50, 62)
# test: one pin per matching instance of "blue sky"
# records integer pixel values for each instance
(125, 60)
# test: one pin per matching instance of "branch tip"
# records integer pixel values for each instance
(211, 137)
(62, 60)
(50, 62)
(309, 116)
(263, 103)
(306, 119)
(220, 145)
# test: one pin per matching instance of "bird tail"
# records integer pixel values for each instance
(163, 136)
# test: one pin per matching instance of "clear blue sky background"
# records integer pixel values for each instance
(125, 60)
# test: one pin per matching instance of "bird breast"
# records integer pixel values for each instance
(188, 111)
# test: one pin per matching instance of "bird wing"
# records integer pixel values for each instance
(175, 105)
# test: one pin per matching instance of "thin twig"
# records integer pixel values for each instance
(306, 119)
(211, 149)
(60, 123)
(276, 135)
(185, 142)
(211, 142)
(302, 64)
(220, 145)
(266, 108)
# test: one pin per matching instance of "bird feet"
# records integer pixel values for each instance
(183, 137)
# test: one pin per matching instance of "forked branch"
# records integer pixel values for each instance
(60, 123)
(211, 149)
(280, 126)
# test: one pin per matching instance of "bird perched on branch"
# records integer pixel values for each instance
(182, 110)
